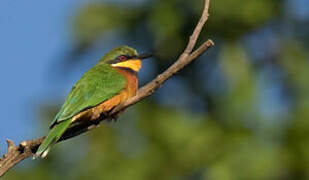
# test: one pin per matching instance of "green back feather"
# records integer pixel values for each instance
(97, 85)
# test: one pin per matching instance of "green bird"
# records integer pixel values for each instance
(109, 83)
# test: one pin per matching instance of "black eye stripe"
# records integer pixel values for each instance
(123, 57)
(119, 59)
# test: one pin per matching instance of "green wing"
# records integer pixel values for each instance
(97, 85)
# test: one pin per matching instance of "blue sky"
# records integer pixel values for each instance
(31, 33)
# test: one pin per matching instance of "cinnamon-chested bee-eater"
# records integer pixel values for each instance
(110, 82)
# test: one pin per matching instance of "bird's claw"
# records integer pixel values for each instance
(116, 116)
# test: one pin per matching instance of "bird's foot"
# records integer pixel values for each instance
(116, 116)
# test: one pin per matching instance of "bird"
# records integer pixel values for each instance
(109, 83)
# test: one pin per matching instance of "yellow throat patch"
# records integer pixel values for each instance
(134, 64)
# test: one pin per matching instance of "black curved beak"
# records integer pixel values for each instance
(144, 56)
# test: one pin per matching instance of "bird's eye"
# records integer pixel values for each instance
(122, 58)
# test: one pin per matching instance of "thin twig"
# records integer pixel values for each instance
(27, 148)
(198, 29)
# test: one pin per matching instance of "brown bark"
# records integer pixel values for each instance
(27, 148)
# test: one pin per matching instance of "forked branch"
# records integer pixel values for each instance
(27, 148)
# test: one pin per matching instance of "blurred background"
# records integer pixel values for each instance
(240, 111)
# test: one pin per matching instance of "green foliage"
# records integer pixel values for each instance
(94, 20)
(232, 18)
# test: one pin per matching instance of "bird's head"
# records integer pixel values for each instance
(125, 57)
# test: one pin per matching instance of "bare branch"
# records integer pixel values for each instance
(27, 148)
(198, 29)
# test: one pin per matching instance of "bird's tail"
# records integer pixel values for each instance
(53, 136)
